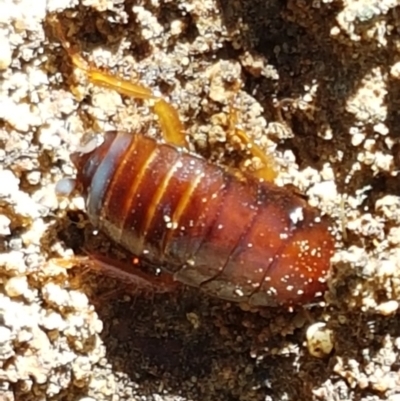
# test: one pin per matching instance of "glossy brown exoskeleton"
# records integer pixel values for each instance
(237, 237)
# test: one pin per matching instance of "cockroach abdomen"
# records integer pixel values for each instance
(238, 239)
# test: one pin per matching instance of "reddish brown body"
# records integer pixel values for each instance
(240, 240)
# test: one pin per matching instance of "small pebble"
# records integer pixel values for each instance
(5, 53)
(388, 308)
(319, 340)
(16, 286)
(4, 225)
(5, 335)
(9, 183)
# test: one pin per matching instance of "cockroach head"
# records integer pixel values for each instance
(88, 156)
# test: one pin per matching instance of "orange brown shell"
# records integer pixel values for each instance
(238, 239)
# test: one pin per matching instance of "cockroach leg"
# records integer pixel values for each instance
(134, 278)
(131, 274)
(170, 123)
(171, 126)
(266, 171)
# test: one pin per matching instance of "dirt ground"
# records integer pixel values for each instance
(319, 90)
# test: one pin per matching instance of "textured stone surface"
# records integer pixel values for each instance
(319, 87)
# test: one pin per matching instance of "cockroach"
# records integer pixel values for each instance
(238, 237)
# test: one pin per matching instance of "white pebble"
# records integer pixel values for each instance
(53, 321)
(319, 340)
(5, 335)
(20, 116)
(5, 53)
(388, 308)
(16, 286)
(9, 183)
(4, 225)
(33, 177)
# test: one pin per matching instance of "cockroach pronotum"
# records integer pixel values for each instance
(237, 237)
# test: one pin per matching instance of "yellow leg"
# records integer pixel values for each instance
(170, 123)
(171, 126)
(266, 172)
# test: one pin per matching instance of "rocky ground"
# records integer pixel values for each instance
(319, 90)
